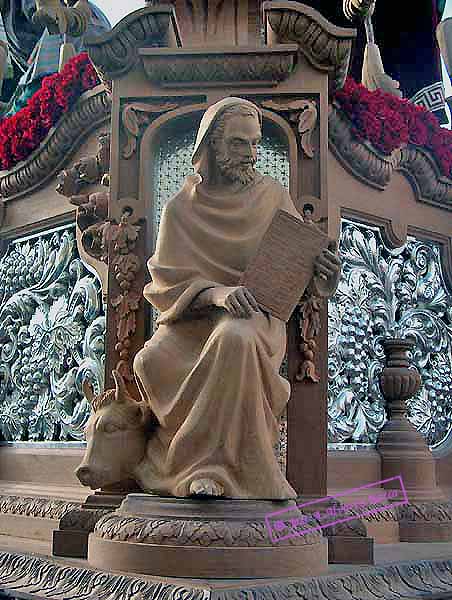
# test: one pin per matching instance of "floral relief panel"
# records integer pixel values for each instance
(388, 292)
(52, 331)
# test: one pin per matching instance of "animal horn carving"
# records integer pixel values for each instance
(121, 390)
(88, 391)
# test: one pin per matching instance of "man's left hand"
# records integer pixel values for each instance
(327, 272)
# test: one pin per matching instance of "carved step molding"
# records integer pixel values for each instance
(41, 577)
(32, 518)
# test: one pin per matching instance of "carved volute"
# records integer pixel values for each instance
(217, 22)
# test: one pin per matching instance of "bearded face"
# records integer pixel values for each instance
(234, 169)
(234, 144)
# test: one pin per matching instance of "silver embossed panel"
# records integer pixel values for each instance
(385, 292)
(173, 164)
(52, 330)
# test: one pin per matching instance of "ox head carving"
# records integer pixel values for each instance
(116, 435)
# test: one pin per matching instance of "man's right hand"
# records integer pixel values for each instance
(238, 301)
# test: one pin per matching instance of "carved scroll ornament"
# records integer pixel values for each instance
(304, 114)
(136, 117)
(363, 161)
(325, 46)
(116, 52)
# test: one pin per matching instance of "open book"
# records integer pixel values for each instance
(283, 266)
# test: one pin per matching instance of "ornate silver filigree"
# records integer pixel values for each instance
(386, 292)
(52, 330)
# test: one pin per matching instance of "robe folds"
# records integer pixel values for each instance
(213, 380)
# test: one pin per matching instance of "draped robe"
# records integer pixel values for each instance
(213, 380)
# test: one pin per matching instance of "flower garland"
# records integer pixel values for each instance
(389, 123)
(22, 133)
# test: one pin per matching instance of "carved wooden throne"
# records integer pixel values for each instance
(160, 90)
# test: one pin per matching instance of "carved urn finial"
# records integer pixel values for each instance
(402, 447)
(398, 381)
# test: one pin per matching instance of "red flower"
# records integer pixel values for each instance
(419, 132)
(23, 132)
(389, 122)
(369, 124)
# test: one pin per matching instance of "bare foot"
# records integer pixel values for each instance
(206, 487)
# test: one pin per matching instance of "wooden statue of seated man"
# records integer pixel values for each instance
(210, 373)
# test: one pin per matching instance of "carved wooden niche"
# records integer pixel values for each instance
(165, 147)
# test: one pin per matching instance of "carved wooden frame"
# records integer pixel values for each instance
(284, 108)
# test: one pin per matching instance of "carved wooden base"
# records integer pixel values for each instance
(71, 538)
(347, 542)
(350, 550)
(426, 522)
(212, 538)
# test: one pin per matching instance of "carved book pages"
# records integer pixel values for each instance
(283, 266)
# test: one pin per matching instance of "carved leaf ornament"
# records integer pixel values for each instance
(126, 265)
(302, 112)
(136, 116)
